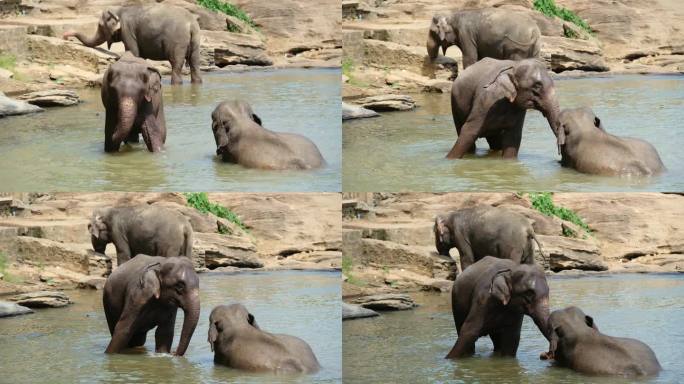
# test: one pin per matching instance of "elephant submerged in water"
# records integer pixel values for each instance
(240, 138)
(486, 231)
(132, 96)
(238, 342)
(490, 99)
(155, 32)
(590, 149)
(491, 298)
(145, 293)
(141, 229)
(576, 343)
(488, 32)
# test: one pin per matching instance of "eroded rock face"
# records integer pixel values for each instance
(223, 48)
(563, 54)
(213, 250)
(43, 299)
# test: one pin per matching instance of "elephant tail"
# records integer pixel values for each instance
(539, 247)
(187, 246)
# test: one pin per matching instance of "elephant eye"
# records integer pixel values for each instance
(180, 286)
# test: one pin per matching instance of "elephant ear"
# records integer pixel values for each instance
(150, 281)
(153, 83)
(96, 225)
(442, 27)
(500, 287)
(213, 334)
(504, 84)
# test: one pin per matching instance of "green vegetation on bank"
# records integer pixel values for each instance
(228, 9)
(347, 265)
(8, 62)
(543, 202)
(200, 201)
(549, 8)
(6, 275)
(347, 69)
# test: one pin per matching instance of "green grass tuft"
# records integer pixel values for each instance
(8, 62)
(347, 67)
(543, 202)
(200, 201)
(8, 277)
(228, 9)
(347, 265)
(549, 8)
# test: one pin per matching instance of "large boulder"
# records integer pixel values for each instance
(352, 311)
(387, 102)
(8, 309)
(51, 98)
(43, 299)
(11, 107)
(351, 111)
(565, 54)
(225, 48)
(214, 250)
(571, 253)
(386, 302)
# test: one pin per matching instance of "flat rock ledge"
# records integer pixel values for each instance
(386, 302)
(9, 309)
(51, 98)
(387, 103)
(42, 299)
(11, 107)
(351, 111)
(353, 311)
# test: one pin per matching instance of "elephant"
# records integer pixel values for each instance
(490, 298)
(575, 342)
(590, 149)
(490, 99)
(141, 229)
(156, 32)
(240, 138)
(132, 96)
(146, 292)
(484, 230)
(238, 342)
(487, 32)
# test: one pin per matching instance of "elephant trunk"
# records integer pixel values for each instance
(432, 47)
(94, 41)
(551, 111)
(191, 310)
(540, 315)
(128, 109)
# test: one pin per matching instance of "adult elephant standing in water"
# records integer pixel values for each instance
(490, 99)
(146, 292)
(156, 32)
(240, 138)
(132, 97)
(488, 32)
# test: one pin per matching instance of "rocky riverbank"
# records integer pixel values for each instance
(291, 33)
(384, 41)
(45, 244)
(389, 246)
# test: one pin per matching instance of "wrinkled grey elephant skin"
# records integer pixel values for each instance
(590, 149)
(490, 98)
(238, 342)
(488, 32)
(486, 231)
(145, 293)
(155, 32)
(491, 298)
(132, 96)
(241, 139)
(144, 229)
(576, 343)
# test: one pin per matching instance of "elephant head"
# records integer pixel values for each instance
(108, 29)
(231, 119)
(567, 325)
(441, 34)
(443, 240)
(175, 283)
(99, 230)
(228, 321)
(135, 90)
(523, 289)
(527, 84)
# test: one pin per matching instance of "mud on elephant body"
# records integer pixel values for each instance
(238, 342)
(132, 96)
(155, 32)
(590, 149)
(491, 298)
(576, 343)
(490, 99)
(486, 231)
(488, 32)
(145, 293)
(240, 138)
(143, 229)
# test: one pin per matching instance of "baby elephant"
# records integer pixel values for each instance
(144, 229)
(485, 230)
(491, 297)
(577, 343)
(241, 139)
(590, 149)
(238, 342)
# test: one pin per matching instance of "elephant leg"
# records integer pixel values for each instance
(194, 62)
(469, 51)
(177, 60)
(152, 134)
(111, 316)
(511, 138)
(458, 123)
(466, 138)
(163, 336)
(123, 331)
(509, 339)
(133, 137)
(110, 127)
(470, 332)
(496, 340)
(494, 142)
(138, 339)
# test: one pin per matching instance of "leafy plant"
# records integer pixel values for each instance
(543, 202)
(228, 9)
(549, 8)
(347, 66)
(200, 201)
